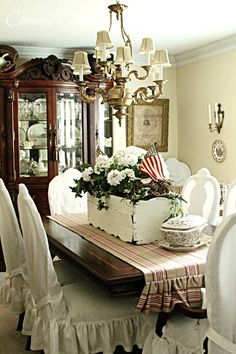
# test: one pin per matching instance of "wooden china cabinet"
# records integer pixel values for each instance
(44, 126)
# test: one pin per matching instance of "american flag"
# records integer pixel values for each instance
(153, 165)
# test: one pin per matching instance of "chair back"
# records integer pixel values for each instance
(179, 171)
(61, 199)
(42, 276)
(13, 251)
(202, 194)
(230, 200)
(10, 234)
(221, 288)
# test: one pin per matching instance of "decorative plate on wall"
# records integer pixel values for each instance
(218, 150)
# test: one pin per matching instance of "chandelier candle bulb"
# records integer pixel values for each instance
(81, 74)
(160, 72)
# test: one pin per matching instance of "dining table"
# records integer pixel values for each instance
(161, 278)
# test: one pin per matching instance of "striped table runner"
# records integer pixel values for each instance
(171, 277)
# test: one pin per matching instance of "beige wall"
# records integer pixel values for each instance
(198, 84)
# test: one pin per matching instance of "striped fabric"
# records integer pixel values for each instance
(153, 165)
(171, 277)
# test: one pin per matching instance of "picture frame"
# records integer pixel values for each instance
(147, 124)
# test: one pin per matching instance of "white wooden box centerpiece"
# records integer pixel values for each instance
(139, 223)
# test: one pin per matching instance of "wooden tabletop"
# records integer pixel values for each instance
(114, 275)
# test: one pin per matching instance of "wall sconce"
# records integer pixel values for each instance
(218, 118)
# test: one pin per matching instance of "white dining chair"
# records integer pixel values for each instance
(184, 335)
(15, 290)
(15, 284)
(202, 194)
(230, 200)
(179, 171)
(77, 318)
(61, 198)
(221, 288)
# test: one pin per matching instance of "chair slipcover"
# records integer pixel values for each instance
(221, 288)
(76, 318)
(202, 194)
(15, 285)
(230, 200)
(220, 300)
(179, 171)
(14, 290)
(181, 335)
(61, 199)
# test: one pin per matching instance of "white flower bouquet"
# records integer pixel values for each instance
(126, 174)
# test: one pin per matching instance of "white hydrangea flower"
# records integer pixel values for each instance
(102, 162)
(136, 151)
(87, 174)
(123, 158)
(114, 177)
(129, 173)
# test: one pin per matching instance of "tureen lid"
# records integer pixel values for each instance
(185, 222)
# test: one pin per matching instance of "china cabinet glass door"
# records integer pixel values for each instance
(69, 131)
(108, 131)
(104, 127)
(32, 134)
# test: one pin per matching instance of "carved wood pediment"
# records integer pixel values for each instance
(51, 68)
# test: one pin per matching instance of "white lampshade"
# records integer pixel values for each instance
(103, 39)
(77, 71)
(161, 58)
(80, 60)
(123, 55)
(146, 46)
(98, 54)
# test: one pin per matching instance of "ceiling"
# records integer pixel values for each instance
(179, 26)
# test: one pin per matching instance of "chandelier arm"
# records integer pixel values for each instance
(141, 95)
(102, 93)
(125, 36)
(110, 20)
(84, 96)
(135, 73)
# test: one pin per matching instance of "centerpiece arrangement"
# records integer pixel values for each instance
(129, 194)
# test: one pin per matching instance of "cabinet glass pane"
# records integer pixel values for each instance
(108, 133)
(32, 116)
(69, 130)
(104, 127)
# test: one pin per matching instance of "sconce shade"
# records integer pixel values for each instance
(146, 46)
(80, 60)
(103, 39)
(161, 58)
(123, 55)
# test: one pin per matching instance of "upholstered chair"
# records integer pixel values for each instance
(61, 199)
(77, 318)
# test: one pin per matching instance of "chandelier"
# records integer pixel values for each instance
(118, 71)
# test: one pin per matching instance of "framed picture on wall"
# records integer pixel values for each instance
(147, 124)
